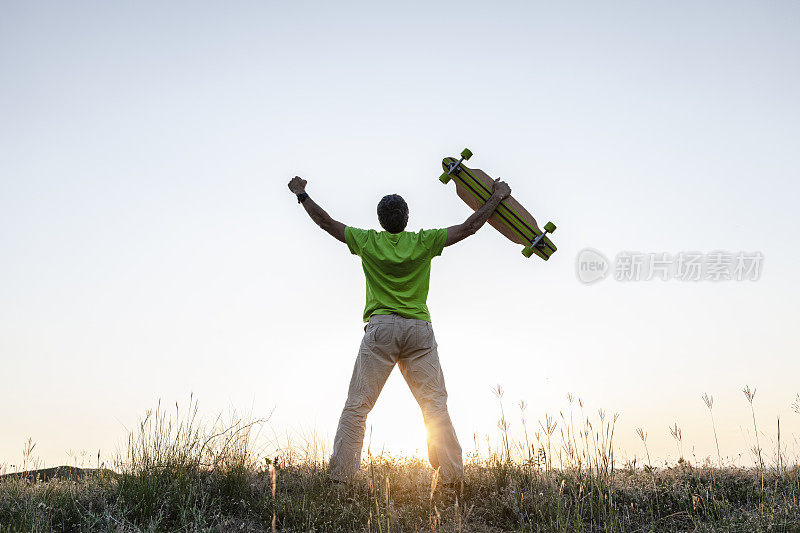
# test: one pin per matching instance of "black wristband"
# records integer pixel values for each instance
(302, 197)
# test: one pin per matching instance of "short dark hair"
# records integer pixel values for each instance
(393, 213)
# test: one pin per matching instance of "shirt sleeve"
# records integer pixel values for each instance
(355, 239)
(433, 240)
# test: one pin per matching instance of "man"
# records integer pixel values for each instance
(397, 266)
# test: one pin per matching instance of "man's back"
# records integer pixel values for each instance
(397, 267)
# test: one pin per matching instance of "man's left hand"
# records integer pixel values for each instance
(297, 185)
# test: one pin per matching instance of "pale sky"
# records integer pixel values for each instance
(151, 249)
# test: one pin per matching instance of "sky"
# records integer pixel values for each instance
(151, 250)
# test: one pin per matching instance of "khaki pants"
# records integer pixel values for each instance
(409, 343)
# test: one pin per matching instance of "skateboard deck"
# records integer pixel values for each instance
(474, 186)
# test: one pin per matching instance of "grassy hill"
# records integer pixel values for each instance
(178, 474)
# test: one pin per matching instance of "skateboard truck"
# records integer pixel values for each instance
(452, 167)
(538, 242)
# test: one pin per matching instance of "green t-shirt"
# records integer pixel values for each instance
(397, 267)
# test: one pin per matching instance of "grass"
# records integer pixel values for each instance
(179, 474)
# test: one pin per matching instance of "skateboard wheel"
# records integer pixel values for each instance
(466, 153)
(445, 177)
(527, 251)
(550, 227)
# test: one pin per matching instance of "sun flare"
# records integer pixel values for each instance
(395, 426)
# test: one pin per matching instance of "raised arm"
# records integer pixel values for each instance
(298, 186)
(500, 191)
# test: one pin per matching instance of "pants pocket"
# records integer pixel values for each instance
(425, 337)
(382, 333)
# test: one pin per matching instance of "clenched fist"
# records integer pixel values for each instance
(297, 185)
(501, 189)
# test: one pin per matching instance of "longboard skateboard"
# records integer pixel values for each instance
(474, 186)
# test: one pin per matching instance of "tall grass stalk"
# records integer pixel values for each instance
(750, 395)
(643, 437)
(709, 401)
(677, 435)
(273, 485)
(503, 424)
